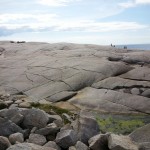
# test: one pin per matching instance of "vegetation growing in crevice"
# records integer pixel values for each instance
(119, 126)
(48, 108)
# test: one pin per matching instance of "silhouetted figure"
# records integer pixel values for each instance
(125, 47)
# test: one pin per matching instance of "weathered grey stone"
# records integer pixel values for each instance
(34, 129)
(12, 114)
(141, 135)
(144, 146)
(16, 137)
(49, 129)
(72, 148)
(99, 141)
(81, 146)
(146, 93)
(37, 139)
(120, 83)
(120, 142)
(57, 71)
(12, 106)
(66, 138)
(34, 118)
(7, 127)
(4, 143)
(66, 127)
(25, 105)
(62, 96)
(9, 102)
(135, 91)
(28, 146)
(53, 118)
(85, 127)
(110, 101)
(141, 73)
(18, 101)
(53, 145)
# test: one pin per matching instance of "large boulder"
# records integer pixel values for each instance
(28, 146)
(4, 143)
(34, 118)
(120, 142)
(66, 138)
(12, 114)
(99, 141)
(7, 127)
(81, 146)
(85, 127)
(141, 135)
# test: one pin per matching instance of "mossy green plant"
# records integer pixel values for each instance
(118, 126)
(48, 108)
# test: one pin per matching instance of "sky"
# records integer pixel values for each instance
(76, 21)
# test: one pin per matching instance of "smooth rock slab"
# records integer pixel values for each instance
(110, 101)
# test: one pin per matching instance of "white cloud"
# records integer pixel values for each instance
(4, 18)
(133, 3)
(51, 22)
(55, 2)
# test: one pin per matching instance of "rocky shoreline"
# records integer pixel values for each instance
(50, 93)
(23, 128)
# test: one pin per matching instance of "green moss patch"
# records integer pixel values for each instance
(119, 126)
(48, 108)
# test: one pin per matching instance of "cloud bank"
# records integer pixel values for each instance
(11, 23)
(134, 3)
(56, 3)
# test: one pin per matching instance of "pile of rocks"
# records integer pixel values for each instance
(34, 129)
(14, 101)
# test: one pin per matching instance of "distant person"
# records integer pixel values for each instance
(111, 45)
(125, 47)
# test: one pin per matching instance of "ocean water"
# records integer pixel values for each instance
(136, 46)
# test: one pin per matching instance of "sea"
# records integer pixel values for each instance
(135, 46)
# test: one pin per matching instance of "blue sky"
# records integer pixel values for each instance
(77, 21)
